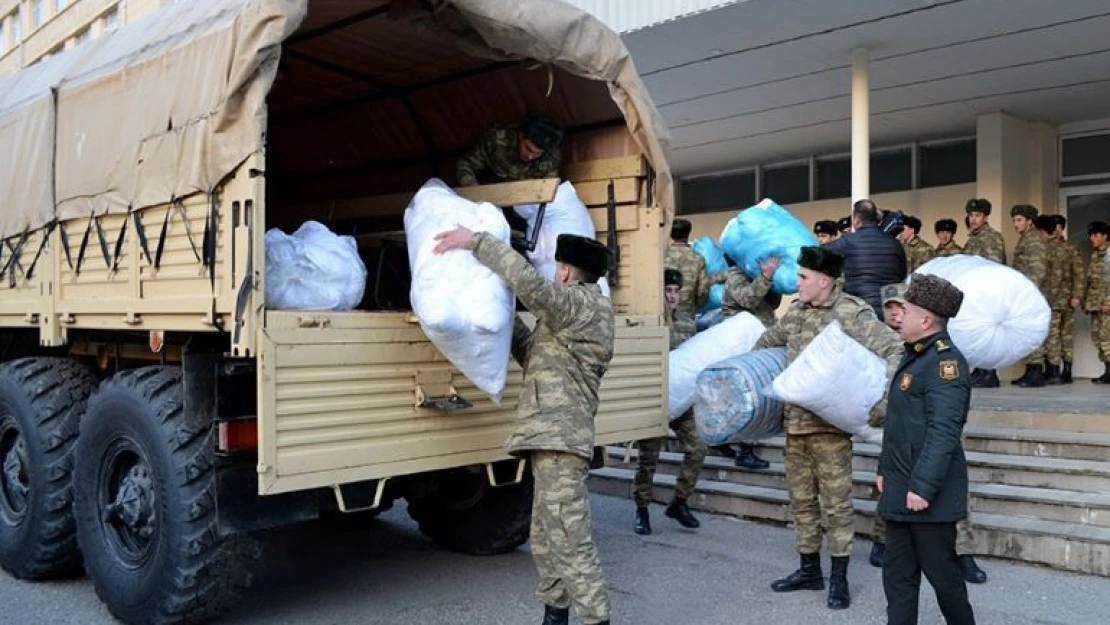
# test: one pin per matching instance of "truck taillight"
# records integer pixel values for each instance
(235, 436)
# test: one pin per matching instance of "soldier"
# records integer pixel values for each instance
(693, 450)
(564, 358)
(918, 252)
(1057, 289)
(818, 455)
(1075, 282)
(506, 153)
(695, 284)
(1096, 296)
(922, 473)
(894, 302)
(984, 241)
(1031, 259)
(844, 225)
(946, 234)
(754, 296)
(826, 231)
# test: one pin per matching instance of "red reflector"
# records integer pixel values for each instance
(238, 436)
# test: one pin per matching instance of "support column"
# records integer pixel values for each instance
(861, 125)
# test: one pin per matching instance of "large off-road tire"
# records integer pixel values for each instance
(145, 504)
(41, 401)
(464, 513)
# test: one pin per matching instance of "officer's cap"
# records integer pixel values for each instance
(826, 226)
(945, 225)
(821, 260)
(542, 130)
(934, 294)
(894, 293)
(680, 229)
(672, 276)
(583, 253)
(1098, 227)
(978, 205)
(1027, 211)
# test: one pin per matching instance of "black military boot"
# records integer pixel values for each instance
(643, 521)
(1035, 377)
(555, 616)
(807, 577)
(724, 450)
(972, 573)
(1024, 376)
(839, 597)
(1105, 378)
(1052, 375)
(747, 459)
(878, 550)
(976, 375)
(679, 511)
(990, 379)
(1066, 374)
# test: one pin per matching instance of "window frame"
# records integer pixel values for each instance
(1060, 156)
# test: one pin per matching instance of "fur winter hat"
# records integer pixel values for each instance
(672, 276)
(821, 260)
(978, 205)
(945, 225)
(542, 130)
(680, 229)
(584, 253)
(934, 294)
(826, 226)
(1027, 211)
(1098, 227)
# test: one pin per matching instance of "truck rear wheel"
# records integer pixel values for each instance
(464, 513)
(145, 504)
(41, 400)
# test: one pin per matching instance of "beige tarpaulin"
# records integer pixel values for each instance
(170, 105)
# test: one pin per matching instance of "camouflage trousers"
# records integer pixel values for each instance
(1059, 345)
(562, 537)
(819, 475)
(965, 542)
(693, 455)
(1100, 334)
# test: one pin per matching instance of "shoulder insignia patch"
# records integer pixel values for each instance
(907, 382)
(942, 346)
(949, 370)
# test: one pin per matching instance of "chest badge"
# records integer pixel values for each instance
(907, 382)
(949, 370)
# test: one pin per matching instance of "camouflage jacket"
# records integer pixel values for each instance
(680, 333)
(1031, 257)
(918, 252)
(564, 356)
(1057, 282)
(951, 249)
(1077, 270)
(754, 296)
(986, 242)
(496, 158)
(695, 284)
(1097, 294)
(803, 322)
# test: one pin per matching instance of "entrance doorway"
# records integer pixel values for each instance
(1082, 205)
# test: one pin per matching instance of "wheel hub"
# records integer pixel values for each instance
(133, 506)
(14, 481)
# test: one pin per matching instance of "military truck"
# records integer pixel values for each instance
(153, 413)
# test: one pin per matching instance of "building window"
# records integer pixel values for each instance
(1085, 156)
(17, 27)
(834, 178)
(787, 184)
(891, 171)
(111, 20)
(60, 5)
(717, 193)
(947, 163)
(3, 35)
(38, 11)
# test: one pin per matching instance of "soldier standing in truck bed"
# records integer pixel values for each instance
(506, 153)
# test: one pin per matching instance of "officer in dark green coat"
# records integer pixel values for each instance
(922, 468)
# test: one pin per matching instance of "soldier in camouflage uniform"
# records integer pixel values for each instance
(1096, 297)
(918, 252)
(1031, 259)
(693, 450)
(818, 455)
(695, 284)
(946, 238)
(1056, 292)
(505, 153)
(986, 242)
(826, 231)
(894, 301)
(1075, 282)
(564, 358)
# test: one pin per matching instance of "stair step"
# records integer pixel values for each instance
(1062, 421)
(1040, 443)
(1084, 508)
(1068, 546)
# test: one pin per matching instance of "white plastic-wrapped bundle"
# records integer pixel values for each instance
(732, 337)
(464, 308)
(731, 406)
(837, 379)
(313, 269)
(1004, 317)
(564, 214)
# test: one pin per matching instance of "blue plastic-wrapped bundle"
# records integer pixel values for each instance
(766, 230)
(714, 256)
(729, 403)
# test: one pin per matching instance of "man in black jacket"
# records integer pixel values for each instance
(872, 258)
(922, 471)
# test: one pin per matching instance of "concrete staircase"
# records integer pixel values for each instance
(1040, 493)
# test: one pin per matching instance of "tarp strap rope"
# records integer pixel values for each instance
(84, 244)
(119, 241)
(38, 254)
(140, 233)
(162, 235)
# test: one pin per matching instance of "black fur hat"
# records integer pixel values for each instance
(912, 222)
(934, 294)
(978, 205)
(680, 229)
(542, 130)
(945, 225)
(584, 253)
(672, 276)
(1045, 223)
(826, 226)
(1027, 211)
(844, 224)
(1098, 227)
(821, 260)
